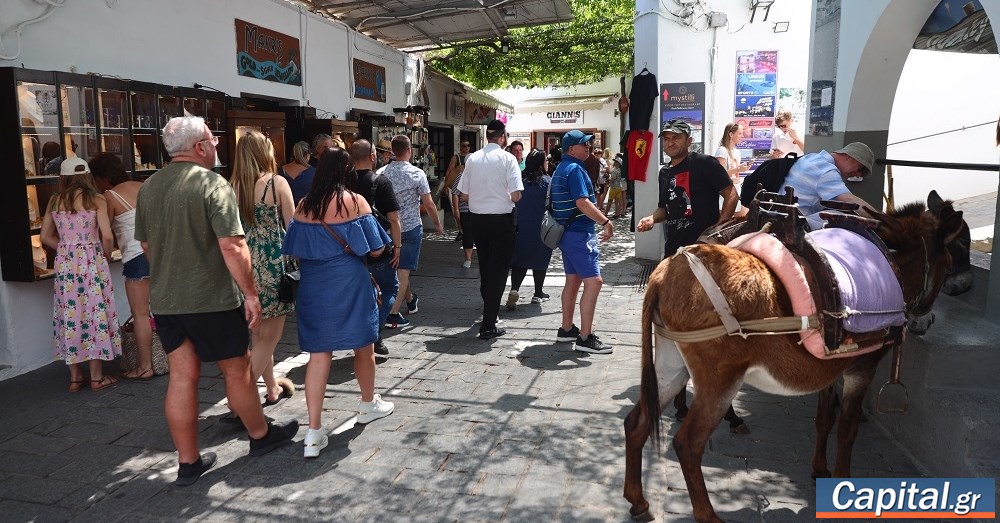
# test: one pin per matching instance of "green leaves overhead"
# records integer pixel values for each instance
(597, 44)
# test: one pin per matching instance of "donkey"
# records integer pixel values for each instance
(918, 239)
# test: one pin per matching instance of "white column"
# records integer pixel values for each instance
(649, 54)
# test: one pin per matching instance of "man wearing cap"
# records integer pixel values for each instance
(384, 153)
(574, 204)
(491, 183)
(822, 176)
(690, 186)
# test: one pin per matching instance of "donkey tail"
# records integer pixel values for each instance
(649, 394)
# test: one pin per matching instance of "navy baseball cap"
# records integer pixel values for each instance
(575, 137)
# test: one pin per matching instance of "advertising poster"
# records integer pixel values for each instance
(685, 101)
(755, 104)
(267, 55)
(960, 26)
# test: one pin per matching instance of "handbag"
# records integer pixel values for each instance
(288, 286)
(130, 349)
(551, 230)
(347, 249)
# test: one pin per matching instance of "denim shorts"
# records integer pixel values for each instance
(409, 254)
(136, 269)
(580, 254)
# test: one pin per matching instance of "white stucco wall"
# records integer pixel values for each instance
(179, 43)
(182, 42)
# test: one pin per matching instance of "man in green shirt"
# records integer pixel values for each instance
(202, 291)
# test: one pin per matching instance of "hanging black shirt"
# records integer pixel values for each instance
(642, 99)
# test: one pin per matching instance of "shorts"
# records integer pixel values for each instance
(136, 269)
(614, 193)
(580, 254)
(215, 335)
(409, 254)
(468, 237)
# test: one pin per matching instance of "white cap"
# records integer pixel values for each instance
(73, 166)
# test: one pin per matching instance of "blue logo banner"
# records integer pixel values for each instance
(908, 498)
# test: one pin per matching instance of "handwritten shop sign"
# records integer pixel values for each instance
(267, 55)
(369, 81)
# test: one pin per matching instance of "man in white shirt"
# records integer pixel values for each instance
(491, 184)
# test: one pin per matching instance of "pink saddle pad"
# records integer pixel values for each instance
(869, 291)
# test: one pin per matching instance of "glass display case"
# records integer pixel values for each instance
(50, 116)
(272, 124)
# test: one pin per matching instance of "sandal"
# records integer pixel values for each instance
(287, 391)
(76, 386)
(103, 383)
(140, 376)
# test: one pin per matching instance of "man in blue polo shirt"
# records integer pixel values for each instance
(574, 205)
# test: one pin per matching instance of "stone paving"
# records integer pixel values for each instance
(518, 429)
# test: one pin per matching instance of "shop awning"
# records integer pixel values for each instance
(412, 25)
(565, 103)
(471, 93)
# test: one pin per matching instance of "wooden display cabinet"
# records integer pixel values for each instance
(272, 124)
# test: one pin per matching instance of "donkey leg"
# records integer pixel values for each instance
(710, 402)
(855, 387)
(825, 416)
(736, 424)
(671, 377)
(681, 405)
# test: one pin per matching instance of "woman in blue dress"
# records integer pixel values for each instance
(331, 232)
(529, 251)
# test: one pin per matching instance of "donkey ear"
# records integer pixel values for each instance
(934, 202)
(950, 228)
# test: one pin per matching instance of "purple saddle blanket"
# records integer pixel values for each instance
(869, 291)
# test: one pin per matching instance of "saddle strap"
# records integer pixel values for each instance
(713, 292)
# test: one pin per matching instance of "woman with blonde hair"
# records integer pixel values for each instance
(729, 157)
(266, 208)
(85, 322)
(299, 173)
(785, 139)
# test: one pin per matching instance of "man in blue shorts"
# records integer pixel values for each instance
(574, 205)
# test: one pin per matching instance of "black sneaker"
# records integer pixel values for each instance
(278, 435)
(412, 305)
(489, 334)
(188, 473)
(568, 335)
(381, 352)
(592, 344)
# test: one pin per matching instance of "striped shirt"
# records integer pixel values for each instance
(571, 182)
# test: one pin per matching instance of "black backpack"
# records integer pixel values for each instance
(771, 174)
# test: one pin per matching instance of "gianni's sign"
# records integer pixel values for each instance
(267, 55)
(565, 116)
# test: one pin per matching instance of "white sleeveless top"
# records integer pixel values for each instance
(124, 228)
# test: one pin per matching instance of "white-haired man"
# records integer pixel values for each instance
(202, 291)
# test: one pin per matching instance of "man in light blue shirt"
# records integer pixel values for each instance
(822, 176)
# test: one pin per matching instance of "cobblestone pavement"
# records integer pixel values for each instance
(516, 429)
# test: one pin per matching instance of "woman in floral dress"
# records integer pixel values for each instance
(266, 207)
(85, 323)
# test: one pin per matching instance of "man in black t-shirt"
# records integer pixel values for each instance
(690, 186)
(378, 191)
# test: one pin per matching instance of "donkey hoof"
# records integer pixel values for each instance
(681, 414)
(742, 428)
(645, 515)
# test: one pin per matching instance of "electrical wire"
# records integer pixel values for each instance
(963, 128)
(50, 8)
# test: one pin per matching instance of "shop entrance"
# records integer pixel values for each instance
(442, 141)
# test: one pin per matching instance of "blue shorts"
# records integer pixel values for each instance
(409, 255)
(580, 255)
(136, 269)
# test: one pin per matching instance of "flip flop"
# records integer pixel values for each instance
(285, 393)
(103, 383)
(76, 386)
(145, 375)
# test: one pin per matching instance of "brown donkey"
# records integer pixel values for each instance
(918, 240)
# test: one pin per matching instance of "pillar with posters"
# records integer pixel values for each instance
(756, 93)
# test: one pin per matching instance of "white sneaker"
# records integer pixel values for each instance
(369, 411)
(316, 440)
(512, 298)
(467, 264)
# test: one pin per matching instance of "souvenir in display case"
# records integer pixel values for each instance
(271, 124)
(53, 115)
